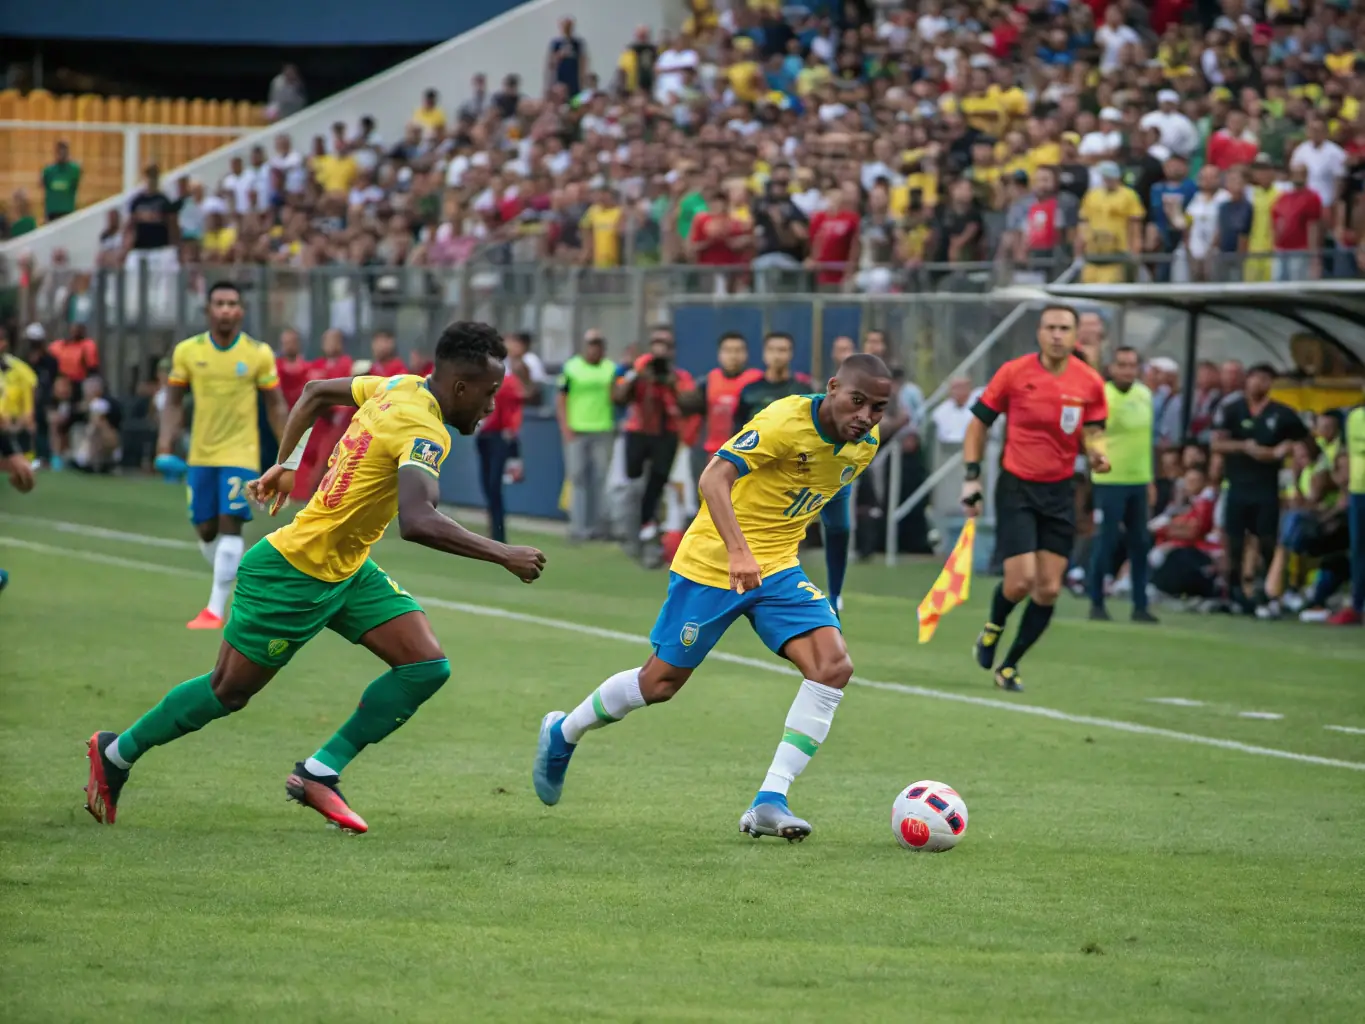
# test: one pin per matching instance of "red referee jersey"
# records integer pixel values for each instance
(1046, 413)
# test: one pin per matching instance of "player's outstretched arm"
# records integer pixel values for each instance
(419, 521)
(717, 480)
(318, 395)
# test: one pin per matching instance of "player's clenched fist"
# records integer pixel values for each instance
(745, 573)
(20, 473)
(273, 487)
(524, 563)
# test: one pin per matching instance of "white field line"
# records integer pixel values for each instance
(1116, 725)
(1346, 728)
(1261, 716)
(1176, 702)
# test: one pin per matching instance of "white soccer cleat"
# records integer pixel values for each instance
(769, 819)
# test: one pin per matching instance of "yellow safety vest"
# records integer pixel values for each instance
(1355, 447)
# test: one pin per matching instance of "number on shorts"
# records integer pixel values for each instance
(816, 594)
(390, 581)
(235, 485)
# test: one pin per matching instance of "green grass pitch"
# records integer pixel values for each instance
(1118, 865)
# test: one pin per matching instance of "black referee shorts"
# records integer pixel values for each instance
(1032, 516)
(1253, 512)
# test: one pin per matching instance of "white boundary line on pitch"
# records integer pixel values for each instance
(579, 628)
(1346, 728)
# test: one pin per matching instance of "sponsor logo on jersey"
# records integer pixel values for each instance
(746, 442)
(688, 636)
(846, 474)
(1071, 418)
(241, 369)
(428, 453)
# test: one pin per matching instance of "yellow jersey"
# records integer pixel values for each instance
(398, 424)
(605, 225)
(788, 470)
(18, 385)
(224, 382)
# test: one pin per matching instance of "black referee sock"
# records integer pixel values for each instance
(1031, 627)
(1001, 606)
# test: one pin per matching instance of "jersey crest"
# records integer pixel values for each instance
(428, 453)
(1071, 418)
(746, 442)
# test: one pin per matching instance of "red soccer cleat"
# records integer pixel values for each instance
(106, 779)
(1348, 616)
(205, 620)
(322, 795)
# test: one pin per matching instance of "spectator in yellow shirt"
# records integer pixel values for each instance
(636, 63)
(429, 114)
(333, 172)
(921, 178)
(1111, 228)
(744, 75)
(603, 226)
(1012, 99)
(219, 238)
(984, 110)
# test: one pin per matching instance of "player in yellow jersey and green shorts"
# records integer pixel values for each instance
(316, 573)
(224, 369)
(794, 460)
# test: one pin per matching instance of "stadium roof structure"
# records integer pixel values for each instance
(1265, 318)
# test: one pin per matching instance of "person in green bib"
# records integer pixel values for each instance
(61, 179)
(587, 422)
(1355, 513)
(1121, 493)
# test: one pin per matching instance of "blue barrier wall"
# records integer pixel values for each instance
(537, 495)
(698, 328)
(261, 22)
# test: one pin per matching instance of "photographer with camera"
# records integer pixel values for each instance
(658, 397)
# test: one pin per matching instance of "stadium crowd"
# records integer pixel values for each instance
(1178, 140)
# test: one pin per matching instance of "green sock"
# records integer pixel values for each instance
(186, 709)
(387, 703)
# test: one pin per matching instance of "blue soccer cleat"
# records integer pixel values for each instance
(552, 759)
(171, 467)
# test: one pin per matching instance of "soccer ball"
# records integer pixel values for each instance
(928, 817)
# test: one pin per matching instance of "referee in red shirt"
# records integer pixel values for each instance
(1055, 409)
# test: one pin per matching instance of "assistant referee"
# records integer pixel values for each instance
(1055, 409)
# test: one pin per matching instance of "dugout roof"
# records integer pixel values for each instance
(1254, 322)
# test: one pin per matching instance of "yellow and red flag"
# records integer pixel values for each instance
(953, 586)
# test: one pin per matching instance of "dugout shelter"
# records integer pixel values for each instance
(1312, 332)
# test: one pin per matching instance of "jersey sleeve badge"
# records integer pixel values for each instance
(425, 453)
(746, 442)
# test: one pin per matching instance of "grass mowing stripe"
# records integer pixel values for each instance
(1116, 725)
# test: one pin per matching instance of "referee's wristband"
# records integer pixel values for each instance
(296, 456)
(973, 470)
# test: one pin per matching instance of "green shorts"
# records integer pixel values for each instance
(276, 609)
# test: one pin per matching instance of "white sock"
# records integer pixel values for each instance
(225, 562)
(315, 767)
(808, 724)
(112, 753)
(610, 702)
(209, 548)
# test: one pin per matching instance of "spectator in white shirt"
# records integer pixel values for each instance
(1201, 223)
(670, 66)
(1113, 36)
(289, 161)
(1102, 144)
(879, 166)
(954, 413)
(1324, 161)
(239, 184)
(1177, 131)
(931, 23)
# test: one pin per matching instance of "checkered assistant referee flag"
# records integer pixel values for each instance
(953, 585)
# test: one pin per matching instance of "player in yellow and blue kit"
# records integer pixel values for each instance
(791, 462)
(316, 572)
(224, 369)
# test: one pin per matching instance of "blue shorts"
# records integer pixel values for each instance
(214, 491)
(694, 616)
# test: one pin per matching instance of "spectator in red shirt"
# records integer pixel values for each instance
(384, 356)
(1232, 144)
(834, 240)
(1183, 559)
(293, 370)
(77, 355)
(1296, 223)
(659, 397)
(421, 363)
(331, 424)
(718, 238)
(499, 451)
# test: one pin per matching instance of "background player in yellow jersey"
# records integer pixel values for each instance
(316, 573)
(18, 397)
(13, 460)
(224, 369)
(792, 461)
